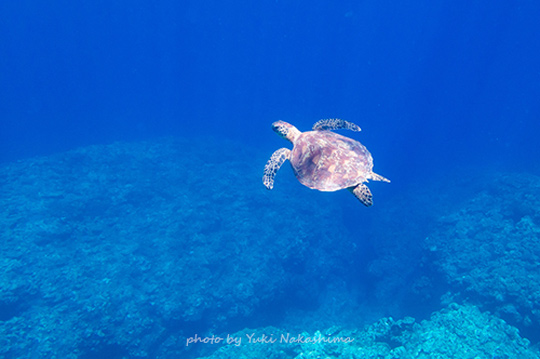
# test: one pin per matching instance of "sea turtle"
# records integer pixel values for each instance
(325, 160)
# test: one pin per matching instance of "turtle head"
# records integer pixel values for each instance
(286, 130)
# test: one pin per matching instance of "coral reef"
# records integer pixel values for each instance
(132, 250)
(455, 332)
(489, 250)
(113, 251)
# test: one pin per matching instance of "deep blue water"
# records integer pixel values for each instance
(430, 82)
(437, 87)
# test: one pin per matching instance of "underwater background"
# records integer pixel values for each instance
(134, 222)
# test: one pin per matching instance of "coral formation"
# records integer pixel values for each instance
(116, 250)
(133, 250)
(490, 248)
(455, 332)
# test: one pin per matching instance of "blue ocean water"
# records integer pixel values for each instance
(133, 137)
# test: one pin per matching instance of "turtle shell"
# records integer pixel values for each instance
(327, 161)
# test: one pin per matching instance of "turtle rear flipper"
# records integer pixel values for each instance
(273, 165)
(335, 124)
(363, 194)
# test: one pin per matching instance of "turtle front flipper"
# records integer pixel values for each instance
(335, 124)
(363, 193)
(273, 165)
